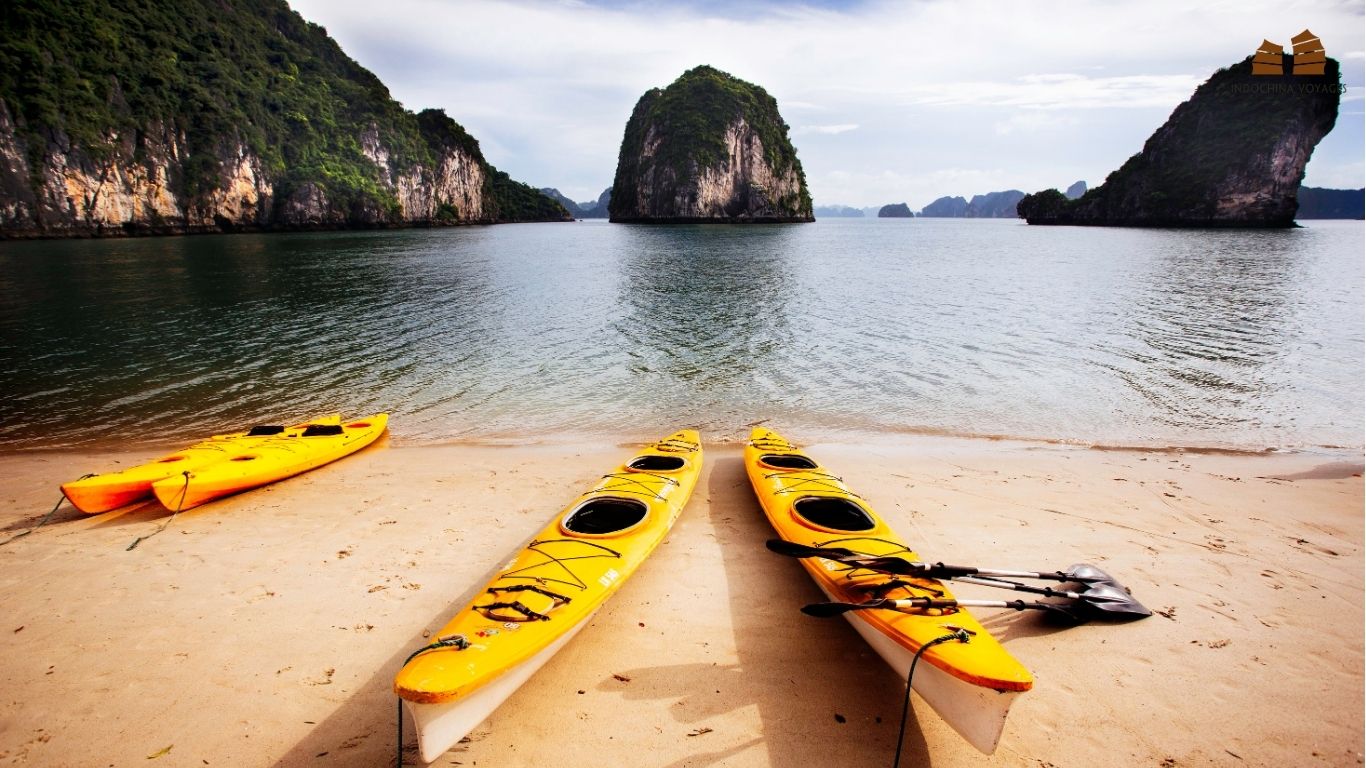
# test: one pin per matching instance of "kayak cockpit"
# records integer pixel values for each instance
(787, 461)
(832, 513)
(604, 516)
(655, 463)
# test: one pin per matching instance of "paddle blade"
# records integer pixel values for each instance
(1086, 573)
(1108, 601)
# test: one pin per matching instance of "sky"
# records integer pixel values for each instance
(888, 102)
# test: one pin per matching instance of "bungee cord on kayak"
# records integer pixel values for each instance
(535, 546)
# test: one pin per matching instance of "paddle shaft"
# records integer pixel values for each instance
(904, 567)
(924, 603)
(1045, 591)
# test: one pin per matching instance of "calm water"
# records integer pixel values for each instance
(1114, 336)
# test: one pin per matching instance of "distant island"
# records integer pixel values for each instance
(895, 211)
(992, 205)
(1317, 203)
(837, 212)
(593, 209)
(1231, 156)
(215, 117)
(708, 148)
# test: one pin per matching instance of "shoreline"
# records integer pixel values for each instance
(265, 628)
(735, 439)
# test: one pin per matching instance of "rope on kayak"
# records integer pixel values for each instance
(821, 480)
(184, 489)
(490, 611)
(632, 479)
(959, 634)
(673, 445)
(577, 582)
(460, 643)
(46, 517)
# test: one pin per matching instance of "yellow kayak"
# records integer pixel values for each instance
(101, 493)
(971, 685)
(247, 466)
(546, 593)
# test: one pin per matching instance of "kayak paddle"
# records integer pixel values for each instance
(1083, 573)
(1101, 602)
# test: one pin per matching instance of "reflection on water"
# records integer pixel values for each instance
(705, 314)
(1240, 339)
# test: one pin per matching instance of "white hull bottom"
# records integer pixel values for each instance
(977, 713)
(440, 726)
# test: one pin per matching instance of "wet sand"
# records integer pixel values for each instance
(265, 629)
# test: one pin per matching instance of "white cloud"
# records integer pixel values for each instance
(825, 129)
(1034, 120)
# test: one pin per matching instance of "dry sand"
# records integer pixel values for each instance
(265, 629)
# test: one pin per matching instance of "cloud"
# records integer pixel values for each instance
(825, 129)
(1034, 121)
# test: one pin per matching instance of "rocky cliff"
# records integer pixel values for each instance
(1231, 156)
(895, 211)
(201, 116)
(709, 148)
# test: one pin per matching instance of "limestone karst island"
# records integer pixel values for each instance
(1231, 156)
(708, 148)
(225, 117)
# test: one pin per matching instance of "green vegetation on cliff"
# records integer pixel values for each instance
(676, 133)
(247, 73)
(1233, 155)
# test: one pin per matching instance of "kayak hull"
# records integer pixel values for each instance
(547, 592)
(971, 685)
(977, 713)
(251, 465)
(440, 726)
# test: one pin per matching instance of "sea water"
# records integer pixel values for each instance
(1228, 339)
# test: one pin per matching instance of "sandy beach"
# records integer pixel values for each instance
(265, 629)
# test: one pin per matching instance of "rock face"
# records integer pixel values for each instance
(264, 123)
(895, 211)
(709, 148)
(1231, 156)
(1075, 191)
